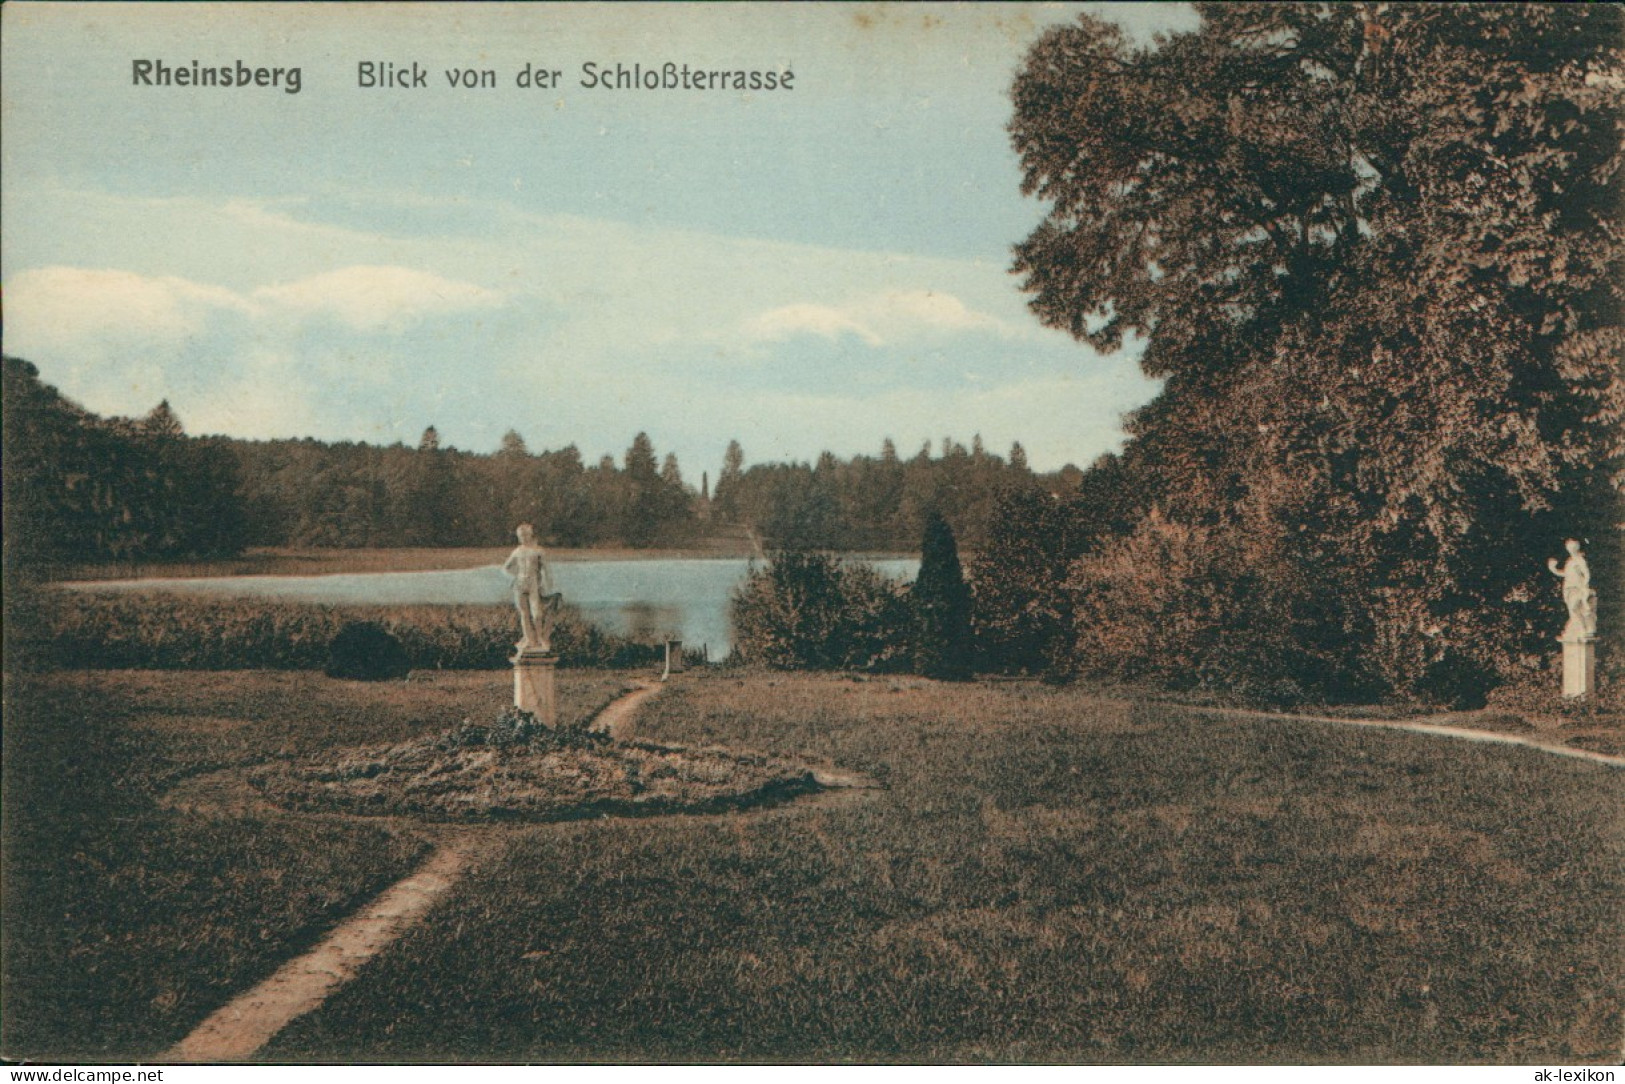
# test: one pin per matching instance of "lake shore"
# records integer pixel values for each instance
(322, 562)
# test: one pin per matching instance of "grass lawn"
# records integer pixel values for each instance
(1049, 876)
(127, 923)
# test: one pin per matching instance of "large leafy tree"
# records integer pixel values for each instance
(1374, 253)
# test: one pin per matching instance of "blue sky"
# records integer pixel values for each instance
(805, 270)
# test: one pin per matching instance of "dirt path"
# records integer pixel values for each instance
(1437, 730)
(247, 1022)
(616, 719)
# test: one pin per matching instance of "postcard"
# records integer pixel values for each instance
(829, 533)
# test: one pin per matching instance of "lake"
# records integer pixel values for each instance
(682, 598)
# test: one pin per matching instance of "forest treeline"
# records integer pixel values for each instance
(309, 493)
(82, 488)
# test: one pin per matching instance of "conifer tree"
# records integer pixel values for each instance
(513, 444)
(727, 492)
(942, 603)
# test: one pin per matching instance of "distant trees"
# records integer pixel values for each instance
(642, 478)
(726, 499)
(866, 502)
(513, 445)
(432, 497)
(158, 491)
(1374, 255)
(657, 508)
(83, 488)
(306, 492)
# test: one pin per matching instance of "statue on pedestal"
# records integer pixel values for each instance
(1577, 594)
(533, 594)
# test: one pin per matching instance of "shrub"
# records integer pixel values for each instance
(160, 631)
(807, 611)
(365, 651)
(1021, 609)
(1188, 608)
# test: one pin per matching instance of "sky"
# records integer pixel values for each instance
(816, 268)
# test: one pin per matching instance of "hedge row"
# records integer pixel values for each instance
(58, 629)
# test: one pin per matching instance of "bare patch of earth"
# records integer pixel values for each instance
(517, 769)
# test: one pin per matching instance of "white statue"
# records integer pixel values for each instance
(1577, 594)
(533, 593)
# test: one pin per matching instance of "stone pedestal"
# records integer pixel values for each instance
(1579, 667)
(533, 689)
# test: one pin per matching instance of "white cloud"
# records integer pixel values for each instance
(242, 362)
(926, 308)
(53, 305)
(611, 291)
(372, 298)
(54, 309)
(805, 319)
(266, 399)
(888, 317)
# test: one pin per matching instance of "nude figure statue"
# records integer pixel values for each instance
(533, 594)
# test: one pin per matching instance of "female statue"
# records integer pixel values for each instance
(1577, 593)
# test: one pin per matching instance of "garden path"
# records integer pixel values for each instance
(1437, 730)
(247, 1022)
(616, 718)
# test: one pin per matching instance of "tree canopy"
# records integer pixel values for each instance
(1373, 251)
